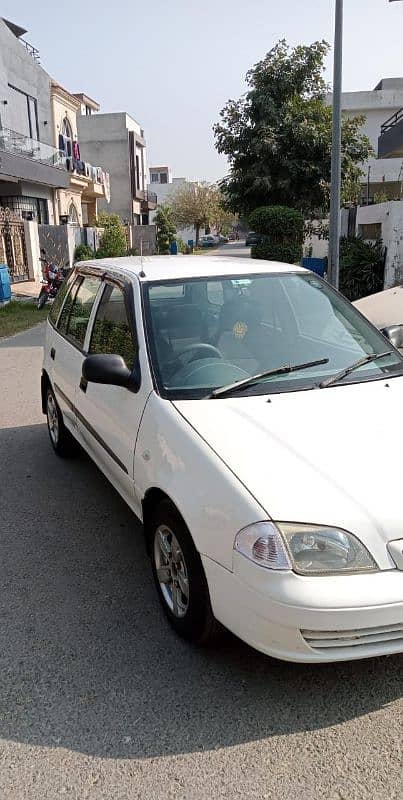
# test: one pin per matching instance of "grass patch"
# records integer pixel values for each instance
(19, 315)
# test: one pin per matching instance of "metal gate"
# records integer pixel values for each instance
(13, 251)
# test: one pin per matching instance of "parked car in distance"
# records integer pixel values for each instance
(249, 418)
(385, 310)
(252, 238)
(222, 239)
(209, 240)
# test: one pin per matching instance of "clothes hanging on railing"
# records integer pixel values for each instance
(76, 151)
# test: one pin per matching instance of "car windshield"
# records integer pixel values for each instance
(206, 333)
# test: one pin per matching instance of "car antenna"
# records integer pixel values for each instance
(142, 273)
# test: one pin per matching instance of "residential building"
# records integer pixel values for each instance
(117, 141)
(162, 182)
(31, 166)
(88, 184)
(382, 176)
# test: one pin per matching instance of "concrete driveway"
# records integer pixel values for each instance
(99, 699)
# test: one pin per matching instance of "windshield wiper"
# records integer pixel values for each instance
(254, 379)
(357, 364)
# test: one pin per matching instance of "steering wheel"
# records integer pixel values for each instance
(197, 350)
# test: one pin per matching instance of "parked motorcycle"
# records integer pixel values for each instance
(54, 276)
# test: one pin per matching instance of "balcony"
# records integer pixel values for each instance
(28, 159)
(390, 142)
(31, 50)
(149, 201)
(20, 145)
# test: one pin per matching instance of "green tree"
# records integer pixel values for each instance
(166, 229)
(196, 205)
(277, 137)
(113, 240)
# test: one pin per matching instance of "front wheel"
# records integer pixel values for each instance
(42, 299)
(179, 577)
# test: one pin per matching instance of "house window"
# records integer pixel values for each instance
(22, 115)
(163, 177)
(68, 137)
(73, 214)
(155, 177)
(137, 172)
(88, 111)
(29, 208)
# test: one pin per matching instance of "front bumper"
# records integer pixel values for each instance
(318, 619)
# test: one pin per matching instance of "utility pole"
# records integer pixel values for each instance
(335, 189)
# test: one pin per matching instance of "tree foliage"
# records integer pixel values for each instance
(113, 240)
(166, 229)
(277, 137)
(198, 205)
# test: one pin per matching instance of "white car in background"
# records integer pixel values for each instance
(249, 416)
(385, 310)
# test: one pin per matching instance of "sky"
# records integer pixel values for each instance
(173, 64)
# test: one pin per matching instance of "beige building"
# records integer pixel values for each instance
(78, 203)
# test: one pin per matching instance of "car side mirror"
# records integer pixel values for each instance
(108, 369)
(395, 335)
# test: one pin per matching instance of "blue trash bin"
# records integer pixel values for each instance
(173, 248)
(5, 287)
(316, 265)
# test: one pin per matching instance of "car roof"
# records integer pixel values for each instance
(157, 268)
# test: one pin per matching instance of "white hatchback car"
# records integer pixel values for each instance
(249, 416)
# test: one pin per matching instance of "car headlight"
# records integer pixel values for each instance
(306, 549)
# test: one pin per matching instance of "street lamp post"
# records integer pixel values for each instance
(335, 188)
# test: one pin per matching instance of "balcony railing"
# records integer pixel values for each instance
(151, 197)
(31, 50)
(19, 145)
(392, 121)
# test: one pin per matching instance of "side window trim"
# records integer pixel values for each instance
(94, 311)
(71, 279)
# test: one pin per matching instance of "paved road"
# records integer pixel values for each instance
(233, 249)
(98, 698)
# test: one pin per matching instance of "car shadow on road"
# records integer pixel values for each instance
(88, 662)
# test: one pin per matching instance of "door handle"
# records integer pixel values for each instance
(52, 353)
(83, 385)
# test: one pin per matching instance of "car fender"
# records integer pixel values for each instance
(172, 457)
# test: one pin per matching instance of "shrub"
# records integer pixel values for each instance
(362, 267)
(113, 240)
(166, 229)
(83, 252)
(282, 231)
(182, 246)
(132, 251)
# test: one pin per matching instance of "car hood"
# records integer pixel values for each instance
(331, 456)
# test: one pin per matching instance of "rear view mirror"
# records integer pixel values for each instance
(395, 335)
(109, 369)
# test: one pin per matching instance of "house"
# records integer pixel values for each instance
(43, 179)
(162, 182)
(88, 184)
(381, 176)
(117, 141)
(31, 166)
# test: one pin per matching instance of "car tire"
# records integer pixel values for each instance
(62, 441)
(175, 560)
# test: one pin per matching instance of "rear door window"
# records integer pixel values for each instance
(76, 312)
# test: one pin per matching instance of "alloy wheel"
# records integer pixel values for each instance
(171, 571)
(53, 419)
